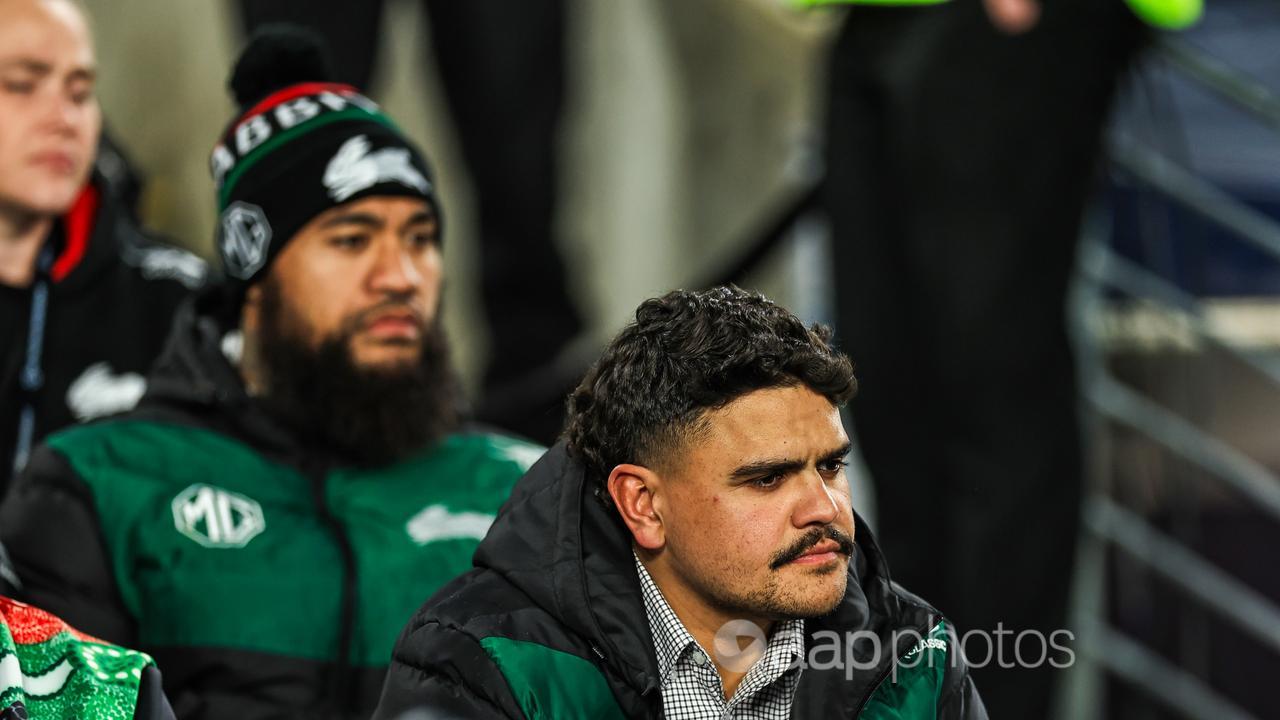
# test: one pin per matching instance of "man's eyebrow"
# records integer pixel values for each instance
(759, 468)
(85, 74)
(783, 466)
(839, 453)
(353, 218)
(419, 218)
(36, 66)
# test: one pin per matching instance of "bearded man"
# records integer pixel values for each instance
(296, 478)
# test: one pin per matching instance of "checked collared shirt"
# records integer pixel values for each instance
(691, 686)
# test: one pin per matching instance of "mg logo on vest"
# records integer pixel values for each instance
(217, 518)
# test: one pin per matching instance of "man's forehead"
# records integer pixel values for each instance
(792, 420)
(44, 33)
(393, 207)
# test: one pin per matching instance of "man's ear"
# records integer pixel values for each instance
(632, 488)
(251, 309)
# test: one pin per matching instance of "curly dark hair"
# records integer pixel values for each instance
(687, 353)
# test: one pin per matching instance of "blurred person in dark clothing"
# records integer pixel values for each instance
(963, 141)
(502, 68)
(86, 298)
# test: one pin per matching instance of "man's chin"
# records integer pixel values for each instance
(819, 603)
(54, 200)
(815, 594)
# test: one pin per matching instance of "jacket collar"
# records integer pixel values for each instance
(76, 228)
(194, 378)
(88, 239)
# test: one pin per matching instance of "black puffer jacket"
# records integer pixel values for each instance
(112, 293)
(551, 624)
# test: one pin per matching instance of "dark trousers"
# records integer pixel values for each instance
(959, 162)
(502, 68)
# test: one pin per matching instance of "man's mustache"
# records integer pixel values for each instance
(811, 538)
(364, 318)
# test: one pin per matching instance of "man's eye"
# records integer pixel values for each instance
(18, 87)
(768, 482)
(832, 467)
(348, 242)
(423, 239)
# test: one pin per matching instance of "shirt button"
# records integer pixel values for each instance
(697, 658)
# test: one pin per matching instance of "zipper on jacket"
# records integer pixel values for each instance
(340, 684)
(922, 631)
(31, 374)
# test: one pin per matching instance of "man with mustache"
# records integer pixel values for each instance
(698, 498)
(297, 477)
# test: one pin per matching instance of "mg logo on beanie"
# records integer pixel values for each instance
(244, 237)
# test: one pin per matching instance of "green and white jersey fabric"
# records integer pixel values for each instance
(49, 671)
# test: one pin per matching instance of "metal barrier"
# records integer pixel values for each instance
(1109, 525)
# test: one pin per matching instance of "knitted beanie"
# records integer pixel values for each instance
(300, 145)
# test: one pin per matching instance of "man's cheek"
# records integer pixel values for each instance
(760, 533)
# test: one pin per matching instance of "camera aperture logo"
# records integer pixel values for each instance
(738, 645)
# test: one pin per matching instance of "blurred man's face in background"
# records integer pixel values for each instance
(49, 115)
(756, 514)
(368, 273)
(347, 330)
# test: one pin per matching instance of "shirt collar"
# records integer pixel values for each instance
(671, 640)
(670, 637)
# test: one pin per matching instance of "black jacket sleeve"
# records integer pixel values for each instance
(50, 526)
(440, 673)
(959, 699)
(9, 582)
(152, 704)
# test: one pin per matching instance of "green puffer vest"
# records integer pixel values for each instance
(213, 545)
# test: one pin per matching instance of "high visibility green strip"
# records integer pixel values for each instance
(1163, 14)
(1168, 14)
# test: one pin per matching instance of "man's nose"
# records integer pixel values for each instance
(394, 270)
(819, 504)
(62, 114)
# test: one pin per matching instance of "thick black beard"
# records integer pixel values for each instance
(370, 417)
